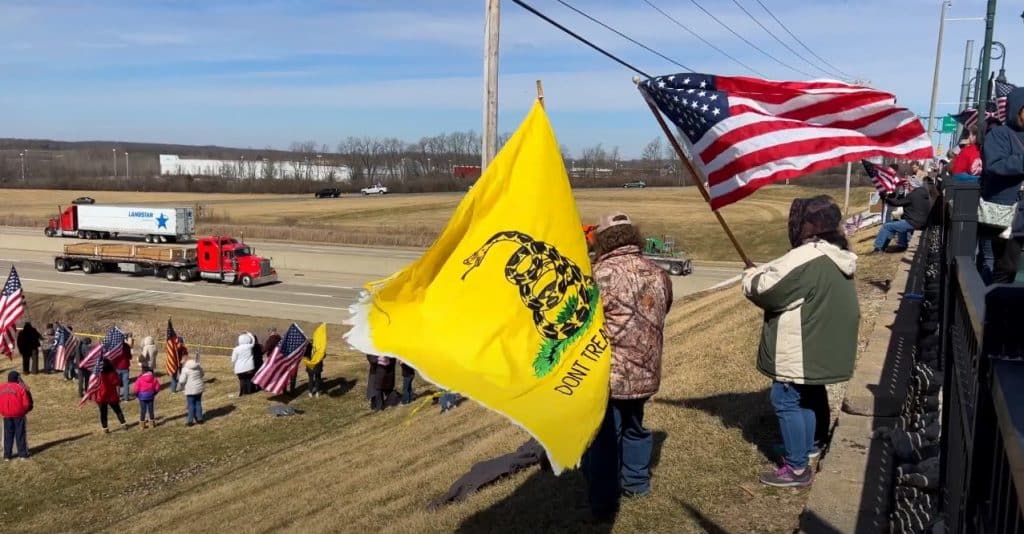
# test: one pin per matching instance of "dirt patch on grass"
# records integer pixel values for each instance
(336, 467)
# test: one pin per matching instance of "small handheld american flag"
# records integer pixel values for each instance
(12, 308)
(65, 344)
(175, 348)
(883, 177)
(283, 361)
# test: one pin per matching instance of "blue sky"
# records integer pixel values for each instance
(266, 73)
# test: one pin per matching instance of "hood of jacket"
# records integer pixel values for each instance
(191, 365)
(245, 340)
(1014, 102)
(845, 260)
(148, 341)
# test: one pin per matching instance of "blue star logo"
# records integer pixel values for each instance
(161, 222)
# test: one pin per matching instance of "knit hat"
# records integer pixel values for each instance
(816, 217)
(13, 376)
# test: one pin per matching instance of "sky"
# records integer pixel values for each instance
(266, 73)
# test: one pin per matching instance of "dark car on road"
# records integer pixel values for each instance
(329, 192)
(635, 185)
(83, 200)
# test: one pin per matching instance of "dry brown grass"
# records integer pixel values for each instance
(339, 468)
(416, 220)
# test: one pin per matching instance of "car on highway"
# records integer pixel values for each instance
(374, 190)
(328, 192)
(83, 200)
(639, 184)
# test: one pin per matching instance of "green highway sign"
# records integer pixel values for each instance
(948, 124)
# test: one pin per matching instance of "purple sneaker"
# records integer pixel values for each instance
(784, 477)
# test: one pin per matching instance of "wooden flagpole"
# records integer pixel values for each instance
(540, 93)
(699, 178)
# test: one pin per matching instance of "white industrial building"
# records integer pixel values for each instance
(308, 169)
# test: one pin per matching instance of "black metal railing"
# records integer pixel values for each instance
(982, 354)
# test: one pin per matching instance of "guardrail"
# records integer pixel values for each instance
(982, 350)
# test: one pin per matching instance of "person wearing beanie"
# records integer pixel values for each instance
(15, 404)
(809, 331)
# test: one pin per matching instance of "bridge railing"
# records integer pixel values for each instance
(982, 353)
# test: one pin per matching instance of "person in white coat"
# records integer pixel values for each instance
(244, 366)
(191, 382)
(147, 358)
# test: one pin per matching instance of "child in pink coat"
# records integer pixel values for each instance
(146, 388)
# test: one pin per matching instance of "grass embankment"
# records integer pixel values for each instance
(339, 468)
(416, 220)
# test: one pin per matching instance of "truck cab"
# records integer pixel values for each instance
(225, 259)
(65, 224)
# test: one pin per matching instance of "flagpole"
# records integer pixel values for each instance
(540, 93)
(699, 178)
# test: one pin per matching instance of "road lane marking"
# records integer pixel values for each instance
(185, 294)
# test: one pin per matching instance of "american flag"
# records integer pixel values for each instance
(746, 133)
(969, 117)
(12, 308)
(1002, 91)
(883, 177)
(283, 361)
(65, 343)
(175, 347)
(107, 349)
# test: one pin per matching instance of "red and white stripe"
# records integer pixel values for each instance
(781, 130)
(64, 352)
(12, 308)
(279, 369)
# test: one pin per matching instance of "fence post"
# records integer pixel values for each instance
(962, 237)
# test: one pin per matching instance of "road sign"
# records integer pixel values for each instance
(948, 124)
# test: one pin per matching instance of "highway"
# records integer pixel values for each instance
(317, 282)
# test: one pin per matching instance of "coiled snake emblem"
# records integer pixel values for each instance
(560, 297)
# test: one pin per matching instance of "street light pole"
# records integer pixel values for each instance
(935, 76)
(965, 88)
(986, 59)
(114, 152)
(22, 156)
(127, 175)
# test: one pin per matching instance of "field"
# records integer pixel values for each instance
(415, 220)
(337, 467)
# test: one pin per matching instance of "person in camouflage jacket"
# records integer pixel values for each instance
(636, 295)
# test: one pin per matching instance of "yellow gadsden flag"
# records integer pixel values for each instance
(503, 308)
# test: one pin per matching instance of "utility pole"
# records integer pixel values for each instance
(935, 76)
(490, 134)
(114, 152)
(22, 154)
(986, 59)
(965, 89)
(127, 175)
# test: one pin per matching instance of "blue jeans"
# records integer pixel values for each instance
(125, 375)
(449, 401)
(902, 229)
(15, 434)
(619, 459)
(146, 407)
(797, 407)
(194, 408)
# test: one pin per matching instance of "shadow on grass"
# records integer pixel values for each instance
(704, 521)
(49, 444)
(750, 412)
(207, 414)
(543, 503)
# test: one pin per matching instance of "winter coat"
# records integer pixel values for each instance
(191, 379)
(1003, 153)
(146, 386)
(916, 206)
(15, 400)
(811, 315)
(241, 355)
(109, 388)
(636, 295)
(29, 340)
(968, 161)
(147, 358)
(123, 360)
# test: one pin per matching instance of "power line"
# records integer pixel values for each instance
(745, 40)
(797, 39)
(783, 43)
(576, 36)
(703, 40)
(626, 37)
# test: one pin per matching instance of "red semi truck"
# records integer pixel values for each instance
(216, 259)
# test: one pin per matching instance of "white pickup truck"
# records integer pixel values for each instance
(374, 190)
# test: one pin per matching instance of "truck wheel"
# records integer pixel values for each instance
(61, 265)
(81, 234)
(88, 267)
(48, 232)
(106, 235)
(148, 239)
(246, 281)
(184, 275)
(171, 274)
(676, 269)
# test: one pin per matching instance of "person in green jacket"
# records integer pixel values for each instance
(809, 336)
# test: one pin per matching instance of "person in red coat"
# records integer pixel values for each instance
(107, 396)
(15, 403)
